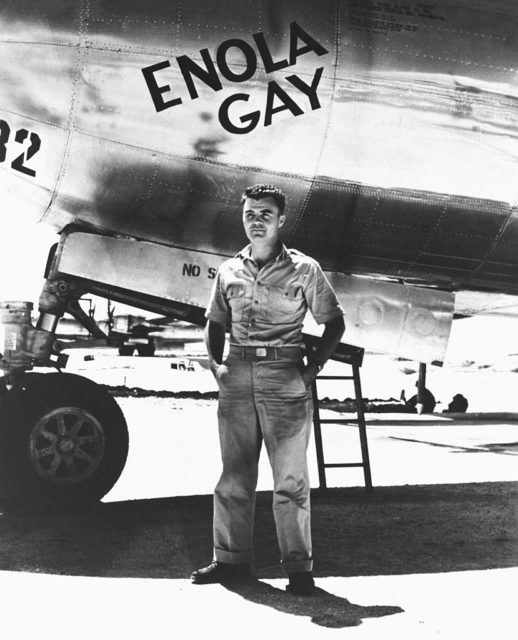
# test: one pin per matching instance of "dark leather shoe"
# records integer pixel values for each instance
(220, 572)
(301, 583)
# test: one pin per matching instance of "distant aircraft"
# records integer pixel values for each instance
(130, 333)
(133, 127)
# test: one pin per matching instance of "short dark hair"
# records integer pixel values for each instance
(260, 191)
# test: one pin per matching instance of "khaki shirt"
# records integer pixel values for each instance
(266, 307)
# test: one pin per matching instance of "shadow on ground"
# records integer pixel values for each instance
(395, 530)
(324, 608)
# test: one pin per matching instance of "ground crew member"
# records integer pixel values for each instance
(459, 404)
(264, 389)
(428, 401)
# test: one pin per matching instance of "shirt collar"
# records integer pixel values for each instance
(246, 254)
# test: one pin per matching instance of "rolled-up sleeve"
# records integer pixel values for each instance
(218, 309)
(320, 296)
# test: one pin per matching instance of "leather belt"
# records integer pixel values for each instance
(265, 353)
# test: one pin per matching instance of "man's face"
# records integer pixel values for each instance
(262, 220)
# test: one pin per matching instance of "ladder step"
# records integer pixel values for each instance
(344, 464)
(339, 421)
(335, 377)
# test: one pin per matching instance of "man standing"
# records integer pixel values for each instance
(264, 291)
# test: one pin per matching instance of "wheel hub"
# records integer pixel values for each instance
(67, 445)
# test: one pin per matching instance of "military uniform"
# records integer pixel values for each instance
(263, 397)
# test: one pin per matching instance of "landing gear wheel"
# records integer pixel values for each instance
(146, 349)
(63, 442)
(126, 350)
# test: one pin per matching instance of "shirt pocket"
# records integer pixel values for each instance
(286, 304)
(238, 300)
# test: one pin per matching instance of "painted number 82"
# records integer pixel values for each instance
(20, 137)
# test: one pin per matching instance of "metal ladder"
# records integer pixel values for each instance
(354, 357)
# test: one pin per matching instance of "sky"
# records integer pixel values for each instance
(23, 255)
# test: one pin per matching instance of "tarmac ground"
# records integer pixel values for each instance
(431, 553)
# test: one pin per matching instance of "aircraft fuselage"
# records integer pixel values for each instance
(392, 127)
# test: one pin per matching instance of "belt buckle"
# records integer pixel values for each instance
(260, 352)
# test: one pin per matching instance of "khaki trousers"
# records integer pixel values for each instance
(263, 400)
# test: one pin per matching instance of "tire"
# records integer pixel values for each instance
(146, 350)
(126, 350)
(63, 443)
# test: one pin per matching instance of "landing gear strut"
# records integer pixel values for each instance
(63, 439)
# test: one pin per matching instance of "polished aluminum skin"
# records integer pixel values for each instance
(407, 170)
(405, 320)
